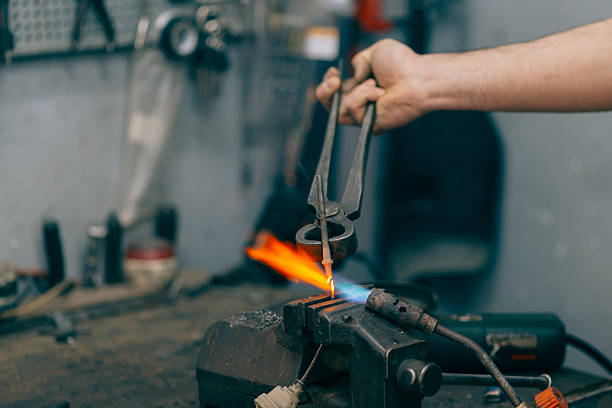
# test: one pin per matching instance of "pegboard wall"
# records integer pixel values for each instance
(45, 26)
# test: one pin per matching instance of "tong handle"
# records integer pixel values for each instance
(326, 154)
(353, 191)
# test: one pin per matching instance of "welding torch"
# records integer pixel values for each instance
(412, 317)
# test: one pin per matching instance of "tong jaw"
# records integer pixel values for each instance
(342, 238)
(339, 216)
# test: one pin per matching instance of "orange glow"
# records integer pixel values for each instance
(284, 259)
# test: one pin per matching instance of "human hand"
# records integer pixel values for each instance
(398, 88)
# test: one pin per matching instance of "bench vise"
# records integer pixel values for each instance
(366, 361)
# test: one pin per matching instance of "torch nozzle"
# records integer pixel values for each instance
(399, 312)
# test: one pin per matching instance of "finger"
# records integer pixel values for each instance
(344, 115)
(357, 100)
(349, 84)
(332, 71)
(362, 65)
(378, 129)
(328, 86)
(327, 89)
(361, 70)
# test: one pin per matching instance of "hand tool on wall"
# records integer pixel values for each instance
(158, 81)
(338, 217)
(211, 59)
(6, 37)
(142, 27)
(102, 16)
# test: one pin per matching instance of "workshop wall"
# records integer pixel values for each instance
(60, 135)
(556, 230)
(61, 132)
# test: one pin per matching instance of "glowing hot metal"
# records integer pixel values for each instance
(327, 261)
(284, 258)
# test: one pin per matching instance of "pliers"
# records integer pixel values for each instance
(103, 18)
(333, 230)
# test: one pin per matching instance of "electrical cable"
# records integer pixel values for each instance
(39, 302)
(484, 359)
(14, 302)
(312, 363)
(591, 351)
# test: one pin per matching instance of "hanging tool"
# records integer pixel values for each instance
(338, 217)
(103, 18)
(6, 37)
(142, 27)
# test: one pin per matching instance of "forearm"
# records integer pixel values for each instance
(568, 71)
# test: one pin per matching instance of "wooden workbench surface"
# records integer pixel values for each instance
(141, 359)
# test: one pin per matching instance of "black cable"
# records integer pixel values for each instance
(484, 359)
(591, 351)
(311, 365)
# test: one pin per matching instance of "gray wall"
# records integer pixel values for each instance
(60, 128)
(556, 230)
(61, 124)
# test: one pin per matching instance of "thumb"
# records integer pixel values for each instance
(362, 65)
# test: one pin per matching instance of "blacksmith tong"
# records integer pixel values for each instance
(333, 230)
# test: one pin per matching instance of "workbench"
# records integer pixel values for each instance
(147, 357)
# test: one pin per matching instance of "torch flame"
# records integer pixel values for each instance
(284, 258)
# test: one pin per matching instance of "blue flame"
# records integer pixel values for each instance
(350, 290)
